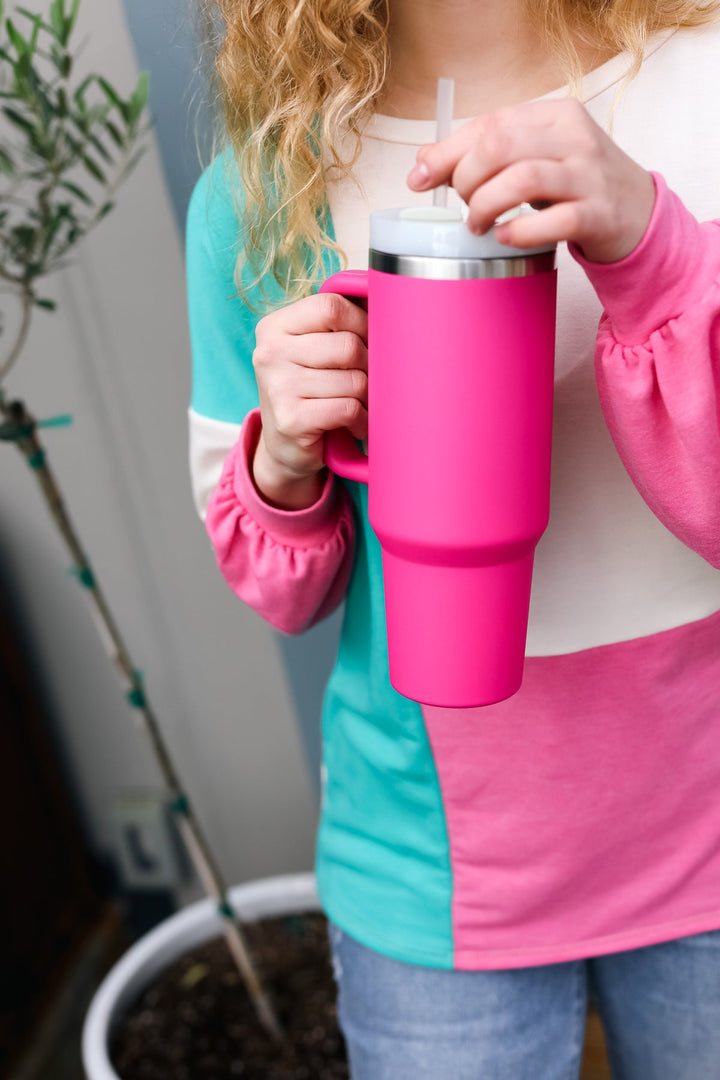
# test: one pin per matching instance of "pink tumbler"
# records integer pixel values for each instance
(461, 344)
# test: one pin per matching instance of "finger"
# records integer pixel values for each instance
(321, 312)
(560, 222)
(530, 129)
(342, 349)
(498, 137)
(522, 182)
(488, 157)
(333, 384)
(328, 414)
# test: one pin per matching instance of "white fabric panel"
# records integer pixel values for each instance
(210, 443)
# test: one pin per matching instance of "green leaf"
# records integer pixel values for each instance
(57, 18)
(110, 92)
(37, 23)
(114, 134)
(96, 114)
(76, 191)
(19, 42)
(48, 305)
(63, 61)
(139, 98)
(7, 165)
(101, 150)
(51, 230)
(80, 122)
(72, 18)
(74, 146)
(79, 94)
(48, 108)
(32, 15)
(37, 20)
(114, 98)
(19, 120)
(37, 138)
(24, 236)
(94, 169)
(21, 69)
(105, 210)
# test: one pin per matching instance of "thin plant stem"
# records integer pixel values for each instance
(27, 441)
(27, 305)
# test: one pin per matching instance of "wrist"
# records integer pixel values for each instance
(630, 236)
(672, 267)
(281, 489)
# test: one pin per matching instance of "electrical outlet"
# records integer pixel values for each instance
(146, 845)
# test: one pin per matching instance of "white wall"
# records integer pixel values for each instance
(116, 355)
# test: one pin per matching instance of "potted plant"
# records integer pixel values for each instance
(170, 1007)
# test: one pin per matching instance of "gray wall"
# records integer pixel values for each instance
(164, 36)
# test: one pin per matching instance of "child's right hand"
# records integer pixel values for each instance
(310, 363)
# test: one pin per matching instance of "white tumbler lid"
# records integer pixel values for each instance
(440, 232)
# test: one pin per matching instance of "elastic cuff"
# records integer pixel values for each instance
(672, 266)
(307, 528)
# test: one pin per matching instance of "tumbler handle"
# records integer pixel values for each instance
(341, 453)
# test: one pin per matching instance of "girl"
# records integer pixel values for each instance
(484, 870)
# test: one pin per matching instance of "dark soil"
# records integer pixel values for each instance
(196, 1022)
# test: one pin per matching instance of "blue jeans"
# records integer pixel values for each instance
(660, 1009)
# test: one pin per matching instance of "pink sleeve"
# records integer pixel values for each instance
(291, 566)
(658, 367)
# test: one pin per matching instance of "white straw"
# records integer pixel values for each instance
(444, 115)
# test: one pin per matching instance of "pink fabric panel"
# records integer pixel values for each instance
(572, 843)
(604, 832)
(658, 366)
(291, 566)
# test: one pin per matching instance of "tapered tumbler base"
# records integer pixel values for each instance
(456, 635)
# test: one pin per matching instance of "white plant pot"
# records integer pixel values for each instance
(196, 924)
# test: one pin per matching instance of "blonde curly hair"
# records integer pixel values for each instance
(289, 74)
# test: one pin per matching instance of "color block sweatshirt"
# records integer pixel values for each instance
(580, 816)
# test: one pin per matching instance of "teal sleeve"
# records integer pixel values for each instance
(222, 326)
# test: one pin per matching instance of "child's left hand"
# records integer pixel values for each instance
(550, 153)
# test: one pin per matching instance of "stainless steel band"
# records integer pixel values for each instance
(453, 269)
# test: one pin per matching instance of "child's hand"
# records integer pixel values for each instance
(550, 153)
(310, 362)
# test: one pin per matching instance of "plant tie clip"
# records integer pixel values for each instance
(84, 575)
(14, 432)
(136, 695)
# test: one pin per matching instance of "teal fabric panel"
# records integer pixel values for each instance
(222, 329)
(222, 326)
(383, 859)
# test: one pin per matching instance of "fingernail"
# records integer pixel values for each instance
(419, 175)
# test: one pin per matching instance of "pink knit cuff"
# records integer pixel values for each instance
(298, 528)
(671, 268)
